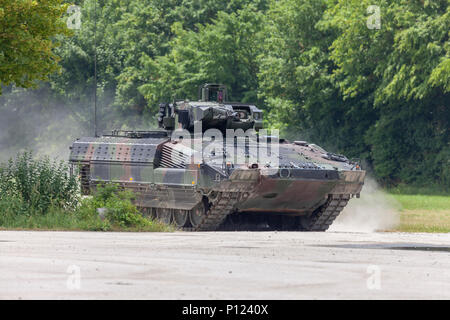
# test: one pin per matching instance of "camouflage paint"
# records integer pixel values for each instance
(304, 178)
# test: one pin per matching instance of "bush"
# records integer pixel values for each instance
(30, 185)
(41, 194)
(120, 212)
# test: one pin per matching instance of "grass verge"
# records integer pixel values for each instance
(423, 213)
(71, 221)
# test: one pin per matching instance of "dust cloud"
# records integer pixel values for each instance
(374, 211)
(32, 120)
(40, 121)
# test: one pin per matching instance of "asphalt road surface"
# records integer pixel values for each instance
(224, 265)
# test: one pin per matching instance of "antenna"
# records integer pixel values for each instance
(95, 69)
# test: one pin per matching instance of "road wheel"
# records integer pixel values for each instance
(181, 218)
(152, 213)
(148, 212)
(197, 215)
(165, 215)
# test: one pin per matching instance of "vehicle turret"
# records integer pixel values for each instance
(212, 110)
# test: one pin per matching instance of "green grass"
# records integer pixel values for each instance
(431, 190)
(423, 213)
(52, 220)
(423, 202)
(59, 220)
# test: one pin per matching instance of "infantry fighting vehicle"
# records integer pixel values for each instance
(211, 166)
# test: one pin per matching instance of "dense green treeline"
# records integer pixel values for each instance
(323, 70)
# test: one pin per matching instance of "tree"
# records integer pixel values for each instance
(378, 94)
(26, 31)
(403, 68)
(224, 51)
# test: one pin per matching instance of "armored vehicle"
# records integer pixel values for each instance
(211, 166)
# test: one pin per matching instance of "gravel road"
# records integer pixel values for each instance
(224, 265)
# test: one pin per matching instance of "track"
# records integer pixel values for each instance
(322, 219)
(221, 207)
(218, 214)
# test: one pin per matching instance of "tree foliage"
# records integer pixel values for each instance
(370, 93)
(223, 51)
(27, 28)
(397, 68)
